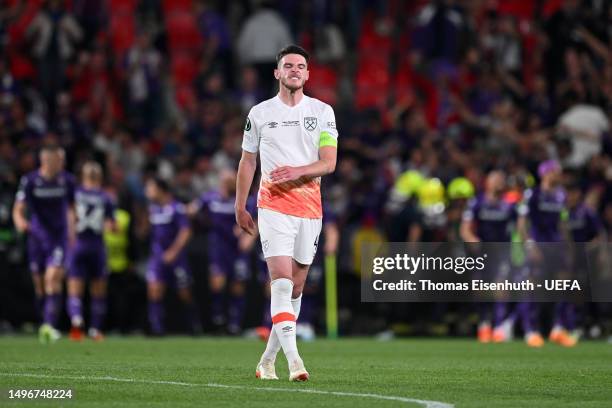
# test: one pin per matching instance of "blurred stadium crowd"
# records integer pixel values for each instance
(444, 89)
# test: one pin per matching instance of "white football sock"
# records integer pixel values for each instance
(274, 346)
(283, 316)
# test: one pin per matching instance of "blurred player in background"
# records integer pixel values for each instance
(312, 288)
(539, 221)
(297, 138)
(168, 266)
(228, 263)
(489, 218)
(586, 231)
(94, 214)
(46, 195)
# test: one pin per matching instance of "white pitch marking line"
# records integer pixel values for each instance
(425, 403)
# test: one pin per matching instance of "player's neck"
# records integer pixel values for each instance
(546, 186)
(492, 196)
(290, 97)
(47, 174)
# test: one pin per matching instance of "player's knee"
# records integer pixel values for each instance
(74, 287)
(217, 283)
(237, 289)
(53, 280)
(38, 285)
(155, 292)
(185, 295)
(98, 288)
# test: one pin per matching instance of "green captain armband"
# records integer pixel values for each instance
(327, 140)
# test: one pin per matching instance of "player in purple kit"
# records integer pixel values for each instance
(489, 218)
(47, 195)
(228, 264)
(585, 229)
(94, 213)
(540, 217)
(168, 264)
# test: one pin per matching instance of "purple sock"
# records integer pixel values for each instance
(216, 306)
(98, 312)
(529, 313)
(484, 312)
(74, 307)
(565, 315)
(570, 316)
(500, 313)
(236, 310)
(156, 317)
(39, 305)
(193, 318)
(52, 309)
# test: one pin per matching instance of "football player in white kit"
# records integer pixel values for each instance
(296, 138)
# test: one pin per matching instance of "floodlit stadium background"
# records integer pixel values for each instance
(446, 88)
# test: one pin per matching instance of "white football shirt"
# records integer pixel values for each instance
(290, 136)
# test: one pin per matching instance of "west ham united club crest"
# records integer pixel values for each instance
(310, 123)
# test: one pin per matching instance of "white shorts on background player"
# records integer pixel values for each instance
(287, 235)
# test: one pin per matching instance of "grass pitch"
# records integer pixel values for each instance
(186, 372)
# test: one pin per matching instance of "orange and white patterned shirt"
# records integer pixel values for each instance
(290, 136)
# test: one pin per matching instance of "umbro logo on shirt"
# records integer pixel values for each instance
(273, 125)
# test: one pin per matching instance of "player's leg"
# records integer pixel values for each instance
(306, 243)
(36, 261)
(184, 283)
(216, 283)
(53, 296)
(308, 302)
(156, 289)
(564, 325)
(298, 272)
(53, 280)
(237, 290)
(77, 269)
(278, 234)
(283, 315)
(97, 291)
(74, 306)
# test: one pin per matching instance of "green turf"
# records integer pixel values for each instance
(459, 372)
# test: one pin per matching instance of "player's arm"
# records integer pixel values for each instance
(466, 230)
(181, 240)
(244, 179)
(19, 209)
(72, 223)
(325, 165)
(19, 219)
(110, 223)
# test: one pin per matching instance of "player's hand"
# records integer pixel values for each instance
(169, 256)
(245, 221)
(22, 226)
(285, 173)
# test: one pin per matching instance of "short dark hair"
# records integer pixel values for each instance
(292, 49)
(51, 147)
(162, 184)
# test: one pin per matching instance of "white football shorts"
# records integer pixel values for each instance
(287, 235)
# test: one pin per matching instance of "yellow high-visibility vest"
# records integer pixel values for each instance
(117, 243)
